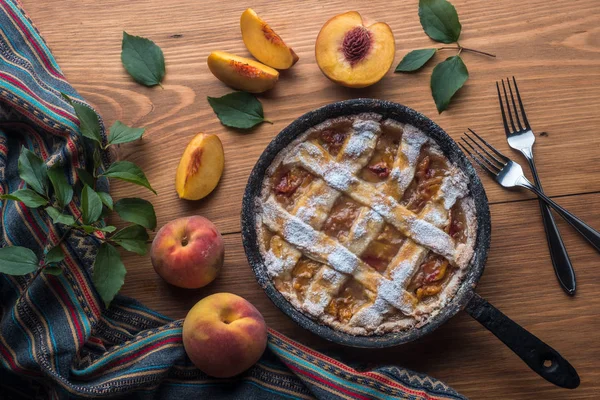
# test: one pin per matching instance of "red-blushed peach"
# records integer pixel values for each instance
(188, 252)
(224, 335)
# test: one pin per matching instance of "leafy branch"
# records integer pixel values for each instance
(439, 20)
(49, 191)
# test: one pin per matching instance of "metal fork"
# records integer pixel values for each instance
(521, 138)
(510, 174)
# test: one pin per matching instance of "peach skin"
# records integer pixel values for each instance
(242, 73)
(200, 167)
(188, 252)
(263, 43)
(224, 335)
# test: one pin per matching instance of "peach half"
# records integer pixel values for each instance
(263, 43)
(224, 335)
(242, 73)
(353, 54)
(200, 167)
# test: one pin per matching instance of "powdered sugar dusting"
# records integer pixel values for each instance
(434, 238)
(342, 260)
(269, 213)
(410, 146)
(274, 264)
(361, 140)
(372, 315)
(436, 215)
(298, 233)
(359, 229)
(454, 187)
(403, 177)
(338, 177)
(315, 304)
(305, 213)
(277, 266)
(412, 140)
(383, 210)
(332, 276)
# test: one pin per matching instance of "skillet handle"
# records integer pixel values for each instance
(524, 344)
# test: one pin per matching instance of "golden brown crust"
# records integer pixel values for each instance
(348, 245)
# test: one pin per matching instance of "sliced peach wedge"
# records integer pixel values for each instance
(264, 44)
(242, 73)
(354, 54)
(200, 168)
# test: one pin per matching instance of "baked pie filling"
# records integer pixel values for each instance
(365, 225)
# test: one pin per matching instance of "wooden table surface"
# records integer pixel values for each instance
(552, 47)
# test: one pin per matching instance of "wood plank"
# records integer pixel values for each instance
(519, 280)
(551, 47)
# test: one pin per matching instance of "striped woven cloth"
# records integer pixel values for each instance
(58, 341)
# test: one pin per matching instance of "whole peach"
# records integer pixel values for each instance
(224, 335)
(188, 252)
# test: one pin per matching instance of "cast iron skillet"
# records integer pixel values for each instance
(527, 346)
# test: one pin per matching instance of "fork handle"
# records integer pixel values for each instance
(558, 252)
(590, 234)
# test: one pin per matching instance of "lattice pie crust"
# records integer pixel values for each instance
(373, 300)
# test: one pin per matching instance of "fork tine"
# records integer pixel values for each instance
(514, 128)
(485, 151)
(502, 156)
(521, 104)
(514, 105)
(506, 129)
(487, 161)
(482, 149)
(486, 169)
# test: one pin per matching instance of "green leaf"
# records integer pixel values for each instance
(27, 196)
(97, 159)
(121, 133)
(86, 178)
(415, 60)
(106, 199)
(33, 171)
(105, 213)
(138, 211)
(439, 20)
(62, 189)
(89, 123)
(447, 77)
(60, 218)
(132, 238)
(91, 205)
(238, 110)
(53, 270)
(105, 229)
(54, 255)
(128, 172)
(17, 260)
(109, 272)
(143, 60)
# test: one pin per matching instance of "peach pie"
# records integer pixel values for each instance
(365, 226)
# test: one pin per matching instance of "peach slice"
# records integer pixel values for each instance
(353, 54)
(264, 44)
(200, 168)
(242, 73)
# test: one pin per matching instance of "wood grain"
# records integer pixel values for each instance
(553, 49)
